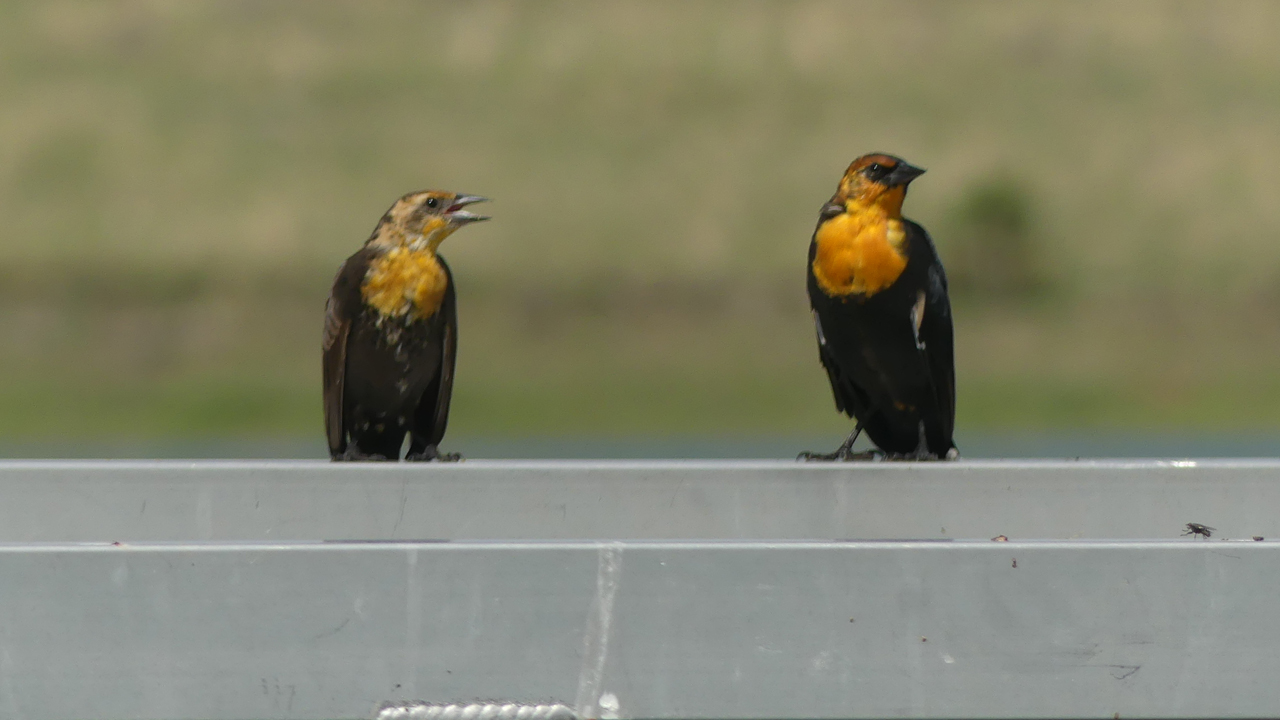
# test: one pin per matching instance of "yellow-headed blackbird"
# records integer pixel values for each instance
(879, 299)
(391, 334)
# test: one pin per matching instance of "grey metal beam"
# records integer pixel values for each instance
(692, 630)
(558, 500)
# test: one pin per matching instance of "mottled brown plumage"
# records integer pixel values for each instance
(391, 334)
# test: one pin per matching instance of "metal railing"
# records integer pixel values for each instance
(639, 589)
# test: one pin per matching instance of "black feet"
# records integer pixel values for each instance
(843, 454)
(428, 453)
(876, 455)
(353, 454)
(431, 453)
(915, 456)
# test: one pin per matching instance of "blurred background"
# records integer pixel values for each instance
(179, 181)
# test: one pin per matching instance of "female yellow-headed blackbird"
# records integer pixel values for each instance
(879, 299)
(391, 333)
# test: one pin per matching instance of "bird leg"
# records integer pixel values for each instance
(430, 453)
(844, 452)
(921, 452)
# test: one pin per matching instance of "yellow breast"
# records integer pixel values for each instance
(403, 282)
(859, 253)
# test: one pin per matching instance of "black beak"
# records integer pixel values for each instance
(458, 216)
(903, 174)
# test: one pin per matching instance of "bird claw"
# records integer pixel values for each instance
(875, 455)
(842, 455)
(924, 456)
(433, 454)
(353, 454)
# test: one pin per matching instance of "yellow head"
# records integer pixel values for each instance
(422, 220)
(860, 236)
(873, 182)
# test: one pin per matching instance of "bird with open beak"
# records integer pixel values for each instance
(391, 334)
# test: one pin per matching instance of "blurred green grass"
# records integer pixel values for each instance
(179, 180)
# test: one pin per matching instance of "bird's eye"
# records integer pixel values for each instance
(875, 167)
(432, 202)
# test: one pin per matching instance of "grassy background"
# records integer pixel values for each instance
(178, 181)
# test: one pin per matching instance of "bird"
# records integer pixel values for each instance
(878, 294)
(391, 334)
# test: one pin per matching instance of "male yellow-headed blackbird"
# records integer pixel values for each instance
(391, 333)
(879, 299)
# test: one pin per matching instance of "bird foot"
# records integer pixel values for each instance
(922, 456)
(433, 454)
(353, 454)
(914, 456)
(842, 455)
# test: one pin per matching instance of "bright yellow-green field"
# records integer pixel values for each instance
(178, 181)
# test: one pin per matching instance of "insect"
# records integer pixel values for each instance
(1198, 529)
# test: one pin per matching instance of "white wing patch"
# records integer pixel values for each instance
(917, 317)
(817, 324)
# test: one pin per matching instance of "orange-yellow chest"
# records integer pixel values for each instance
(859, 253)
(404, 283)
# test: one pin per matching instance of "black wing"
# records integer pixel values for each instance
(842, 388)
(433, 412)
(937, 337)
(850, 398)
(341, 307)
(334, 369)
(845, 403)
